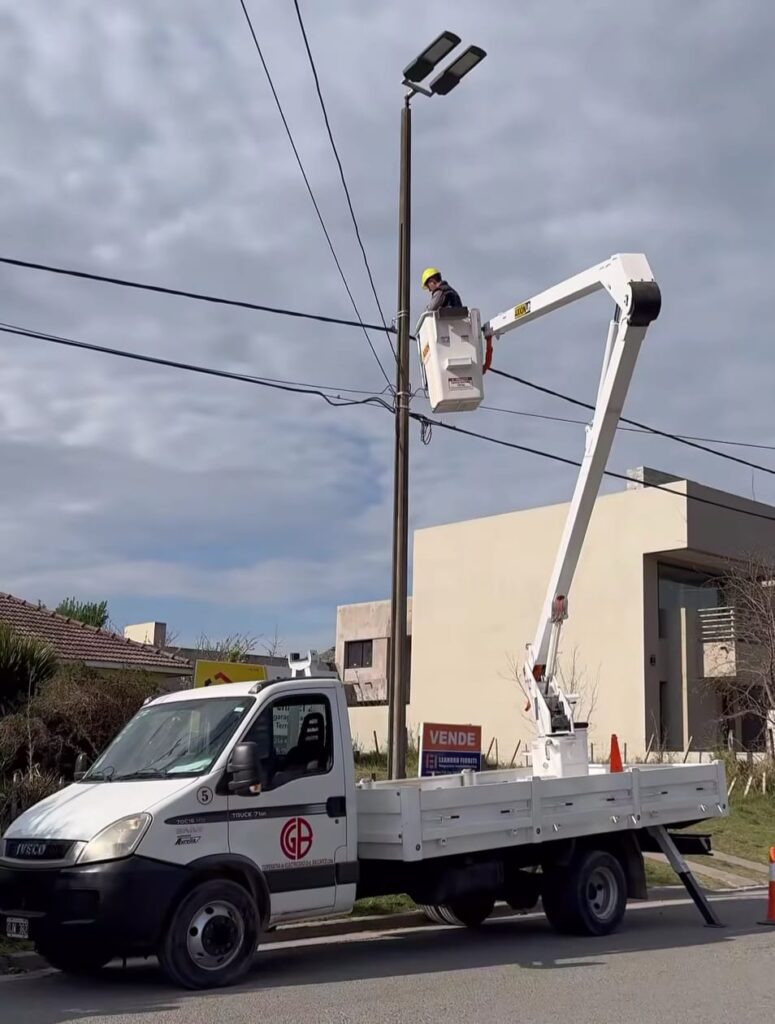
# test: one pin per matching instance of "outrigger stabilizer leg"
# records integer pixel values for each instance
(662, 838)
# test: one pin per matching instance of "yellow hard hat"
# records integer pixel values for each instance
(428, 273)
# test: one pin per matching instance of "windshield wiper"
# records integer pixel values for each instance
(141, 773)
(106, 774)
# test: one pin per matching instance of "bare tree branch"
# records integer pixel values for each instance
(742, 667)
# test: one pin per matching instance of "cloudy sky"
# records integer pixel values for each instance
(140, 139)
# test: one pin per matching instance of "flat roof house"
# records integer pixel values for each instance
(646, 607)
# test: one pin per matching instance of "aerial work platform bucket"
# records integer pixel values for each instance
(450, 343)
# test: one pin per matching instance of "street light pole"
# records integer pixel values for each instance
(399, 674)
(398, 669)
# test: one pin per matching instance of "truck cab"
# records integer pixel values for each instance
(215, 814)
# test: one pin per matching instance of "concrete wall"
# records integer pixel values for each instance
(153, 633)
(478, 587)
(719, 532)
(367, 621)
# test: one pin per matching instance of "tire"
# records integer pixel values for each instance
(433, 913)
(80, 959)
(471, 911)
(212, 936)
(588, 897)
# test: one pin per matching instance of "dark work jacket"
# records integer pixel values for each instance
(444, 296)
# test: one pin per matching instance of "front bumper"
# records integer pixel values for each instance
(122, 903)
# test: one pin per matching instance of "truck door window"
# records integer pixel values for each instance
(294, 738)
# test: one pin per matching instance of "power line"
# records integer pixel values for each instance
(376, 400)
(309, 188)
(181, 293)
(273, 383)
(536, 415)
(341, 169)
(628, 430)
(427, 421)
(635, 423)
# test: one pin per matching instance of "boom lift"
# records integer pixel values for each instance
(456, 352)
(253, 816)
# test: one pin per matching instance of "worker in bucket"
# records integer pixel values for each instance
(443, 295)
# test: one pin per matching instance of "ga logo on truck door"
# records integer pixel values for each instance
(296, 838)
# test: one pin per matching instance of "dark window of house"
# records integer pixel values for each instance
(357, 654)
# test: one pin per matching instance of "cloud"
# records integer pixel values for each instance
(143, 141)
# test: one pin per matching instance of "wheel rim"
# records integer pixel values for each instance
(215, 935)
(602, 893)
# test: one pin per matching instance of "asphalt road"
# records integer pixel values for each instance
(663, 966)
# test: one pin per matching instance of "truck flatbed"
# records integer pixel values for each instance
(417, 819)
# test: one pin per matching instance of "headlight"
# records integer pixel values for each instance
(117, 840)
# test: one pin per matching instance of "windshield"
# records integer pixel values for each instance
(173, 739)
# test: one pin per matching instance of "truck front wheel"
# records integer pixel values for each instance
(212, 936)
(588, 897)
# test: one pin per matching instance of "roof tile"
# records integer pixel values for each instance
(75, 641)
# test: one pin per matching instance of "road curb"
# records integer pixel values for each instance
(23, 963)
(372, 923)
(20, 963)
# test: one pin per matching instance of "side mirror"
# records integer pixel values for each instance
(245, 769)
(82, 766)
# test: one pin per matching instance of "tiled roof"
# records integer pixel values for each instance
(74, 641)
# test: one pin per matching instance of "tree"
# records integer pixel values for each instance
(91, 613)
(233, 647)
(25, 664)
(236, 647)
(273, 645)
(78, 710)
(572, 676)
(83, 709)
(742, 666)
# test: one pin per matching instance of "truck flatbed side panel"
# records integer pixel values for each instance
(468, 813)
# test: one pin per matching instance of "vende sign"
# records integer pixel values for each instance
(451, 737)
(446, 749)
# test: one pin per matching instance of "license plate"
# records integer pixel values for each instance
(17, 928)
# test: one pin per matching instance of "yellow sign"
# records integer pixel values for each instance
(522, 309)
(212, 673)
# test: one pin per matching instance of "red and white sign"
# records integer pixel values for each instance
(448, 738)
(448, 749)
(296, 838)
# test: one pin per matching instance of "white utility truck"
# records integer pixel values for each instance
(220, 812)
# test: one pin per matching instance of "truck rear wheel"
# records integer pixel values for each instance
(470, 911)
(71, 957)
(212, 936)
(588, 897)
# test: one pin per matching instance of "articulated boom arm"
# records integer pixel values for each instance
(630, 283)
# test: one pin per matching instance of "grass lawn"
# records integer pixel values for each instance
(749, 831)
(13, 946)
(383, 905)
(371, 764)
(660, 874)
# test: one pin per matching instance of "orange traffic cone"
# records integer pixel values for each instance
(616, 756)
(771, 893)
